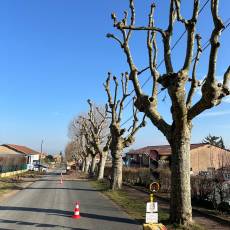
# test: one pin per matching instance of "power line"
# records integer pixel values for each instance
(206, 44)
(132, 115)
(162, 61)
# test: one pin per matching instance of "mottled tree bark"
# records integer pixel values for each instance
(102, 165)
(83, 165)
(87, 165)
(117, 171)
(181, 210)
(93, 165)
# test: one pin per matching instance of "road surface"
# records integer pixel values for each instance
(47, 204)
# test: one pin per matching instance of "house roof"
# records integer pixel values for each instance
(6, 151)
(21, 149)
(162, 150)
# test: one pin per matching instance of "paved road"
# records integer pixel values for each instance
(47, 204)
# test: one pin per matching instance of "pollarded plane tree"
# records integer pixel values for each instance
(89, 142)
(76, 134)
(120, 138)
(72, 149)
(183, 110)
(80, 153)
(71, 153)
(84, 153)
(98, 126)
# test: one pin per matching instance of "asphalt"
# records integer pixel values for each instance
(47, 204)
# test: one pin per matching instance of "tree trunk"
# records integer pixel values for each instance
(102, 166)
(117, 172)
(75, 166)
(93, 165)
(83, 165)
(87, 165)
(180, 205)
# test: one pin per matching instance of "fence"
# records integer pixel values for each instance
(12, 168)
(12, 163)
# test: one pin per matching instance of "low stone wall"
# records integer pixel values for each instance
(7, 174)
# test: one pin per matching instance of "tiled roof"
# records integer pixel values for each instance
(163, 150)
(21, 149)
(6, 151)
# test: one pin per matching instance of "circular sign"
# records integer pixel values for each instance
(154, 187)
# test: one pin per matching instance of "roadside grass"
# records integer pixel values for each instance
(136, 207)
(7, 186)
(13, 182)
(32, 174)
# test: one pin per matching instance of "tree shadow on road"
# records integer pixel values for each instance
(36, 224)
(108, 218)
(69, 214)
(65, 188)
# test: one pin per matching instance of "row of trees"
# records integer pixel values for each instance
(100, 132)
(180, 85)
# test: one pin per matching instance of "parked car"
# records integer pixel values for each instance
(38, 167)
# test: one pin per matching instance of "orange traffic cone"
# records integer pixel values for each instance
(76, 211)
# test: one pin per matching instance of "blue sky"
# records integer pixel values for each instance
(54, 55)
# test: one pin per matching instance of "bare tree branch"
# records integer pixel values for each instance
(125, 94)
(214, 40)
(226, 78)
(212, 93)
(194, 83)
(115, 38)
(167, 39)
(152, 52)
(190, 27)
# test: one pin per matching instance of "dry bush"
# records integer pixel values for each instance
(137, 176)
(164, 179)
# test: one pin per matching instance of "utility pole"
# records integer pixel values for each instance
(40, 155)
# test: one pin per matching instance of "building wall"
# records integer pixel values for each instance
(31, 159)
(208, 156)
(34, 158)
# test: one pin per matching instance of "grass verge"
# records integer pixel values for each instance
(7, 186)
(15, 182)
(136, 208)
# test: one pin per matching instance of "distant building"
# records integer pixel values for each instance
(203, 157)
(4, 151)
(11, 160)
(57, 158)
(32, 156)
(44, 155)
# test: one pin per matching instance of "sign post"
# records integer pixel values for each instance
(151, 218)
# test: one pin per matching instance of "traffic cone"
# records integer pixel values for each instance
(76, 211)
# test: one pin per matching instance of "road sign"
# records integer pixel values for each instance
(154, 187)
(151, 218)
(151, 207)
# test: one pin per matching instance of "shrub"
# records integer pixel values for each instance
(224, 207)
(136, 176)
